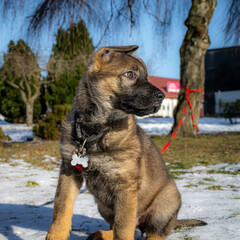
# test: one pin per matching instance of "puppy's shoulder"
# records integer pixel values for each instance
(67, 126)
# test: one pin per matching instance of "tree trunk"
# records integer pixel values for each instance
(192, 53)
(29, 112)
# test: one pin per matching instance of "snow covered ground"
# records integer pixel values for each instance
(17, 132)
(26, 202)
(159, 126)
(27, 192)
(162, 126)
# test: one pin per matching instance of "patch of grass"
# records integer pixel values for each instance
(233, 186)
(4, 177)
(190, 185)
(234, 215)
(214, 188)
(202, 183)
(223, 172)
(206, 149)
(188, 238)
(29, 175)
(175, 174)
(32, 184)
(178, 165)
(209, 179)
(13, 164)
(32, 152)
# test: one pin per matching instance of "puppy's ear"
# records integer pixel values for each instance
(125, 49)
(105, 53)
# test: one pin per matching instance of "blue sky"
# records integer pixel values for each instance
(162, 58)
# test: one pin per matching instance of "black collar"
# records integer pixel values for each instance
(83, 138)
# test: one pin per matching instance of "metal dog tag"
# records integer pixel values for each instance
(79, 160)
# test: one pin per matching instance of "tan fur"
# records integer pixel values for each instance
(66, 194)
(126, 173)
(101, 235)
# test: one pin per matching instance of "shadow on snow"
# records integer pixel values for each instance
(38, 218)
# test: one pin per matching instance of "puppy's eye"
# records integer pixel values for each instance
(130, 75)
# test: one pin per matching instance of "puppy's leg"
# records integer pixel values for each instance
(170, 226)
(125, 210)
(106, 213)
(162, 214)
(165, 232)
(67, 190)
(124, 217)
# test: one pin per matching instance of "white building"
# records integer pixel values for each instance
(170, 87)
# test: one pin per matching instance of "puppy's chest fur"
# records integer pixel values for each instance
(99, 180)
(112, 170)
(108, 174)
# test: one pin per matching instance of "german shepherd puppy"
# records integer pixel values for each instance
(125, 172)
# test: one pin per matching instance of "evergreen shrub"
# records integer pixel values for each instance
(231, 110)
(48, 127)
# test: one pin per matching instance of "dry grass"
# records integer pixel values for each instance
(183, 153)
(206, 149)
(32, 152)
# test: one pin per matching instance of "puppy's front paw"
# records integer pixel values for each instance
(57, 234)
(56, 237)
(101, 235)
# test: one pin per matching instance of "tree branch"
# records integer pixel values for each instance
(131, 20)
(37, 92)
(21, 86)
(23, 95)
(29, 92)
(22, 92)
(108, 24)
(13, 85)
(153, 15)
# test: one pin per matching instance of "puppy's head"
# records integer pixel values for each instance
(122, 79)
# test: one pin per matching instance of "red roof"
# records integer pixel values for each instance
(161, 83)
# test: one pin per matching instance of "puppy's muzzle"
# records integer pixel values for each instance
(159, 95)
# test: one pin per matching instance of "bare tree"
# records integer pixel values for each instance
(192, 53)
(21, 71)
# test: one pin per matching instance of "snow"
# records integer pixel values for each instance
(162, 126)
(159, 126)
(2, 118)
(26, 212)
(27, 193)
(17, 132)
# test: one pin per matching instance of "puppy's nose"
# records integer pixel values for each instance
(159, 95)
